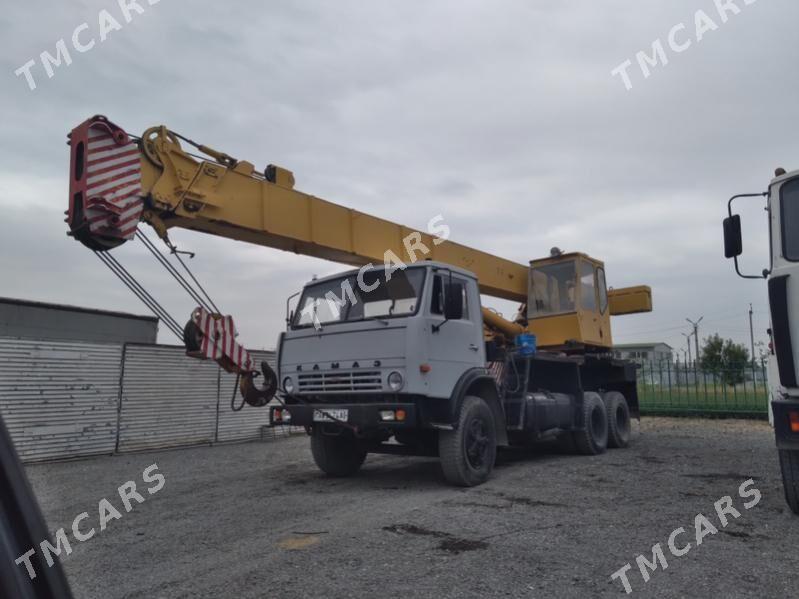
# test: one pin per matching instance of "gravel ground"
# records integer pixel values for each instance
(258, 520)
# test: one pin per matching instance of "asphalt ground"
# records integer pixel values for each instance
(259, 520)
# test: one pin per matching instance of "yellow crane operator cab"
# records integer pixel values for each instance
(569, 305)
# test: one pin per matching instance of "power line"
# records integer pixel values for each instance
(678, 327)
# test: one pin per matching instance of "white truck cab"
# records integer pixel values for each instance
(374, 330)
(782, 275)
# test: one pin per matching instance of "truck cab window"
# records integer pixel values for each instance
(437, 296)
(465, 296)
(314, 304)
(330, 301)
(789, 206)
(394, 297)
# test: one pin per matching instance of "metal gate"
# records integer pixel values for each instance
(59, 399)
(168, 399)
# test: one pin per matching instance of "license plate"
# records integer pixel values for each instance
(330, 415)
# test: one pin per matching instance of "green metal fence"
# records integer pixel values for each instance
(685, 388)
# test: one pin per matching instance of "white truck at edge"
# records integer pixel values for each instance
(782, 275)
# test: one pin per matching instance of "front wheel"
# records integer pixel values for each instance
(468, 452)
(789, 463)
(337, 455)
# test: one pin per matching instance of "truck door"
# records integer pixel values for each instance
(454, 345)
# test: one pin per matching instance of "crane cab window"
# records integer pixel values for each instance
(603, 290)
(552, 289)
(587, 287)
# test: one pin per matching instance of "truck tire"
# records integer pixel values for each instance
(467, 453)
(337, 455)
(593, 439)
(618, 419)
(789, 463)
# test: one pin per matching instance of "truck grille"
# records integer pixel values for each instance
(340, 381)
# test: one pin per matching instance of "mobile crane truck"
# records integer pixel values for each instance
(782, 276)
(380, 359)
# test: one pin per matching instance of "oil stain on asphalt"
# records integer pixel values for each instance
(448, 542)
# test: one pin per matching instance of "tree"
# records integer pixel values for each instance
(725, 358)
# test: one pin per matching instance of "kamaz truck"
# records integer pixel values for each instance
(405, 366)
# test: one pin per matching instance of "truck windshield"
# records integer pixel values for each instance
(348, 299)
(552, 289)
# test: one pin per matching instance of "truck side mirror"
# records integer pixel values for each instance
(453, 301)
(733, 244)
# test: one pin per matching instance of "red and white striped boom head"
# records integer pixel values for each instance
(105, 202)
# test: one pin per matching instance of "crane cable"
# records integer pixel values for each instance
(198, 294)
(206, 302)
(139, 291)
(233, 397)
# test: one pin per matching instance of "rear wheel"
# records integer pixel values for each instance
(337, 455)
(789, 463)
(593, 439)
(618, 419)
(468, 452)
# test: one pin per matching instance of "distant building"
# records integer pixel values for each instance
(37, 320)
(644, 352)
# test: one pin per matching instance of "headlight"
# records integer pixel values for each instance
(395, 381)
(288, 385)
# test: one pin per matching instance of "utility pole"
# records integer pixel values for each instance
(751, 334)
(688, 343)
(696, 333)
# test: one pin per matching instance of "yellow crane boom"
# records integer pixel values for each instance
(118, 180)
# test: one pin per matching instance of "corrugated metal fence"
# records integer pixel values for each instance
(59, 399)
(66, 400)
(177, 408)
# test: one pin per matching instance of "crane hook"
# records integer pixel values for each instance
(253, 395)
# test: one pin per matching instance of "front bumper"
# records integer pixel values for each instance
(362, 416)
(786, 438)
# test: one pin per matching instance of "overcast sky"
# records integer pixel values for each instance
(501, 116)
